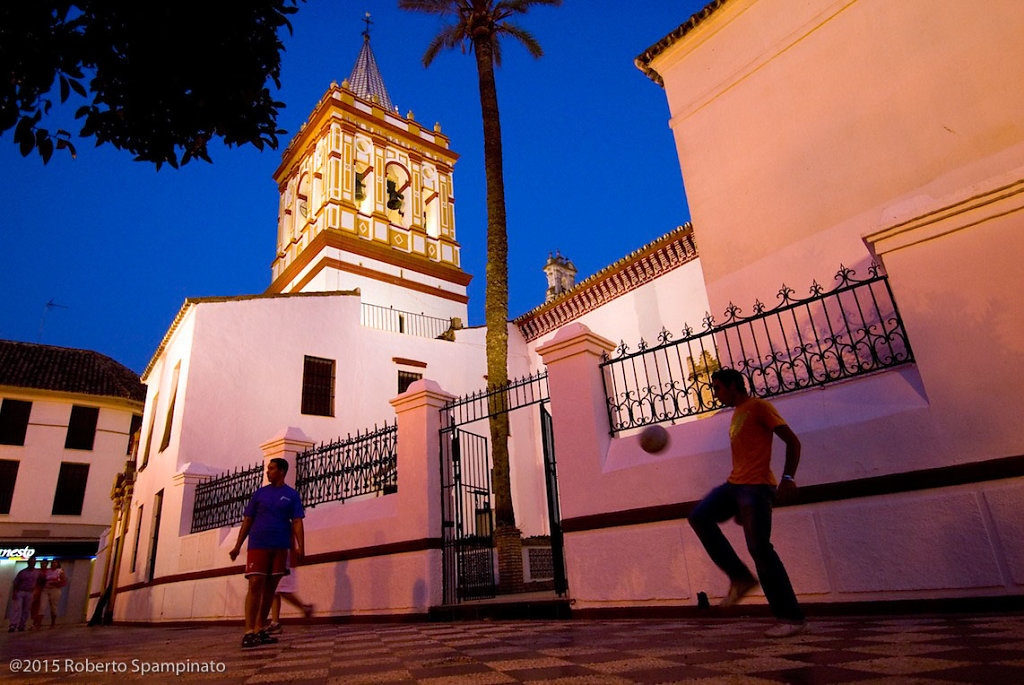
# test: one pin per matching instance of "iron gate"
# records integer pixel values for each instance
(467, 522)
(466, 517)
(547, 435)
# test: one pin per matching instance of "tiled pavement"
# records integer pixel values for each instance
(986, 649)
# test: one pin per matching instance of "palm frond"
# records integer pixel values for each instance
(441, 7)
(522, 6)
(522, 35)
(449, 37)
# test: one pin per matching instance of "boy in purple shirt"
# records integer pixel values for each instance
(273, 522)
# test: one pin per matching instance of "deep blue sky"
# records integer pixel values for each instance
(590, 169)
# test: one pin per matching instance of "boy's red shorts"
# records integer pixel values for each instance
(266, 562)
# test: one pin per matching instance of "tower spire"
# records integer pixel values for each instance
(365, 79)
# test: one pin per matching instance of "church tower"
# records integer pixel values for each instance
(367, 202)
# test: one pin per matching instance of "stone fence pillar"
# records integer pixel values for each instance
(579, 410)
(286, 445)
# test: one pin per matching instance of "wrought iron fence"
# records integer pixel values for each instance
(349, 467)
(851, 330)
(220, 501)
(520, 392)
(397, 321)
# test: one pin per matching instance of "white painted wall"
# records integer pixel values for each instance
(803, 125)
(406, 582)
(381, 293)
(950, 542)
(41, 456)
(817, 132)
(241, 381)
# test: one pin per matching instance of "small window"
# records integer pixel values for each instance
(133, 431)
(14, 421)
(149, 433)
(318, 386)
(70, 495)
(158, 505)
(138, 531)
(407, 378)
(8, 474)
(82, 428)
(169, 422)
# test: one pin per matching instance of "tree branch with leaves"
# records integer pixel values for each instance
(158, 79)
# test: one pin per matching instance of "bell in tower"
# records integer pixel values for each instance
(366, 201)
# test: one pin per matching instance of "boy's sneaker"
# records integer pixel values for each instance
(737, 591)
(786, 629)
(266, 639)
(250, 640)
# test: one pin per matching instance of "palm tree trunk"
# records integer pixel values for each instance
(496, 293)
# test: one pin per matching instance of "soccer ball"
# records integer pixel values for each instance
(653, 439)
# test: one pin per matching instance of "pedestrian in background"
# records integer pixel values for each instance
(287, 590)
(56, 579)
(22, 590)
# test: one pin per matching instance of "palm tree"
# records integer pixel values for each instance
(478, 25)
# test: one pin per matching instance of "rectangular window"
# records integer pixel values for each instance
(166, 440)
(149, 433)
(8, 474)
(138, 531)
(14, 421)
(67, 501)
(158, 505)
(132, 432)
(407, 378)
(82, 428)
(318, 386)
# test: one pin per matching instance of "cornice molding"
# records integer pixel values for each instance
(655, 259)
(330, 237)
(331, 263)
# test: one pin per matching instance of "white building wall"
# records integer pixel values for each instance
(800, 152)
(628, 542)
(241, 382)
(380, 292)
(31, 516)
(41, 456)
(801, 126)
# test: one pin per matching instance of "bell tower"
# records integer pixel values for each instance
(367, 202)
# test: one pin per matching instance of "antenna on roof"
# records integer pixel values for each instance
(42, 321)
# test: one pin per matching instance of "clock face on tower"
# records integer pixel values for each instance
(303, 209)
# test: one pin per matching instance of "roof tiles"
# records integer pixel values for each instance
(65, 369)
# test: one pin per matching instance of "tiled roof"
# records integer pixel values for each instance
(365, 79)
(643, 61)
(656, 258)
(64, 369)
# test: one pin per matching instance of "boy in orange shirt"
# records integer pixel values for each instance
(748, 496)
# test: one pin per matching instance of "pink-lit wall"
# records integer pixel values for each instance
(814, 133)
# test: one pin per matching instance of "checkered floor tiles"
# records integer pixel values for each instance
(920, 650)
